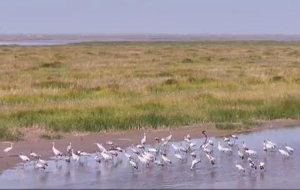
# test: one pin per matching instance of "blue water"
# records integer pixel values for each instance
(279, 173)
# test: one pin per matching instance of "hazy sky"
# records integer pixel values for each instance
(150, 16)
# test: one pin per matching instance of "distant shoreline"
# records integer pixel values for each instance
(63, 39)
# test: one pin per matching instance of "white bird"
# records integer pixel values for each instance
(240, 168)
(268, 145)
(210, 142)
(251, 163)
(226, 139)
(271, 143)
(69, 148)
(8, 148)
(165, 159)
(226, 150)
(240, 154)
(75, 156)
(193, 154)
(211, 159)
(192, 144)
(34, 155)
(194, 163)
(176, 148)
(42, 161)
(251, 152)
(81, 153)
(152, 150)
(113, 152)
(148, 155)
(56, 151)
(182, 149)
(245, 146)
(98, 158)
(143, 141)
(159, 163)
(289, 149)
(127, 155)
(24, 158)
(178, 156)
(140, 146)
(230, 143)
(119, 149)
(67, 159)
(219, 146)
(133, 164)
(40, 166)
(106, 155)
(109, 143)
(101, 147)
(168, 138)
(134, 150)
(188, 136)
(284, 153)
(143, 160)
(207, 150)
(262, 165)
(187, 140)
(234, 136)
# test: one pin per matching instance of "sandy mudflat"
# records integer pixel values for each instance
(122, 139)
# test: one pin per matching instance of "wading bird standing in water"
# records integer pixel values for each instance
(56, 152)
(24, 158)
(143, 141)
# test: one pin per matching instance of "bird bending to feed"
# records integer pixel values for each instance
(211, 159)
(234, 136)
(245, 146)
(289, 149)
(226, 139)
(133, 164)
(193, 154)
(165, 159)
(34, 155)
(251, 152)
(240, 167)
(284, 153)
(194, 163)
(241, 155)
(158, 163)
(41, 166)
(42, 161)
(178, 156)
(230, 143)
(261, 165)
(8, 148)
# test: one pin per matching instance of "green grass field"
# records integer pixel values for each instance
(112, 86)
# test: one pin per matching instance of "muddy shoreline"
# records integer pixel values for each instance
(122, 139)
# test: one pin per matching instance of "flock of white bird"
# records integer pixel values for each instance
(140, 156)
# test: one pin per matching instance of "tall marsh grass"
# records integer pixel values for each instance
(112, 86)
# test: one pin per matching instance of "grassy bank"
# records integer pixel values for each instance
(110, 86)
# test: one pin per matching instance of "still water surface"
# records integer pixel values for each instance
(280, 173)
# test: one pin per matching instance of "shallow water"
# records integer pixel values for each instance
(279, 173)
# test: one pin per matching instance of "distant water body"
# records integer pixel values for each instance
(37, 42)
